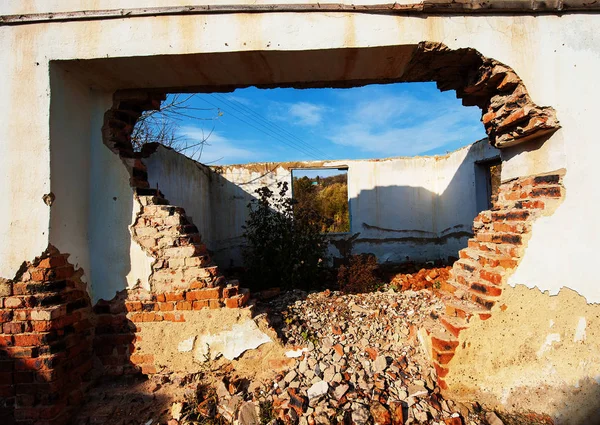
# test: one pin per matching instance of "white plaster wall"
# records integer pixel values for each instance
(185, 183)
(421, 208)
(69, 166)
(116, 261)
(94, 205)
(557, 57)
(232, 190)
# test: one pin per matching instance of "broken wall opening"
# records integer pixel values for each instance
(170, 300)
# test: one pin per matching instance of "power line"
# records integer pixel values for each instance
(276, 137)
(286, 133)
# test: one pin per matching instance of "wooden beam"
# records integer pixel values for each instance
(428, 7)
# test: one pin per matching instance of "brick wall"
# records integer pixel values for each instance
(183, 279)
(45, 343)
(501, 236)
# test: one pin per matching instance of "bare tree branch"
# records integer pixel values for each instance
(162, 126)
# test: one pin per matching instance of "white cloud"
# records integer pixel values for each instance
(300, 113)
(217, 149)
(307, 113)
(405, 126)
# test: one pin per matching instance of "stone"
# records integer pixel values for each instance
(297, 402)
(290, 376)
(360, 415)
(380, 364)
(381, 416)
(317, 389)
(415, 390)
(230, 344)
(247, 414)
(397, 413)
(176, 409)
(340, 391)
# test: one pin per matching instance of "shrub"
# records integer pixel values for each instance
(284, 245)
(360, 275)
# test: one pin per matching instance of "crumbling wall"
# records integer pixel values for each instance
(47, 330)
(401, 208)
(183, 277)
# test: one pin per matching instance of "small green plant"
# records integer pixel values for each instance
(284, 244)
(267, 412)
(437, 284)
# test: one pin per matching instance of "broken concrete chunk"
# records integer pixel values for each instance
(230, 344)
(247, 414)
(317, 389)
(186, 345)
(296, 353)
(176, 410)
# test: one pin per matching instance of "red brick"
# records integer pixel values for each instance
(492, 291)
(454, 330)
(13, 327)
(199, 305)
(184, 305)
(443, 345)
(492, 277)
(31, 340)
(6, 378)
(6, 341)
(174, 317)
(197, 284)
(549, 192)
(508, 228)
(175, 296)
(216, 304)
(148, 369)
(133, 305)
(203, 294)
(166, 306)
(141, 358)
(440, 370)
(7, 390)
(50, 262)
(230, 291)
(234, 302)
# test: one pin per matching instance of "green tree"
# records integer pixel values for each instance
(284, 244)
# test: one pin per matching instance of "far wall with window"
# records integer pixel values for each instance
(399, 209)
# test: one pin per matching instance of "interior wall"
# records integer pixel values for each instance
(419, 208)
(184, 182)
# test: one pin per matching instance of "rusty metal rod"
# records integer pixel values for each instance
(428, 7)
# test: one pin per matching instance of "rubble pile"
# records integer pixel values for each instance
(425, 278)
(357, 362)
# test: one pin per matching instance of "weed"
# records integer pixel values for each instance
(360, 275)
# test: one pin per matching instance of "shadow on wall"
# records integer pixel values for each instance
(400, 223)
(427, 217)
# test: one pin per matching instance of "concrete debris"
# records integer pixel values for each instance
(362, 363)
(293, 354)
(176, 410)
(317, 389)
(230, 344)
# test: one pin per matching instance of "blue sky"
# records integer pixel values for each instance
(375, 121)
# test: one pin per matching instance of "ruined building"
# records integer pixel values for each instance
(92, 253)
